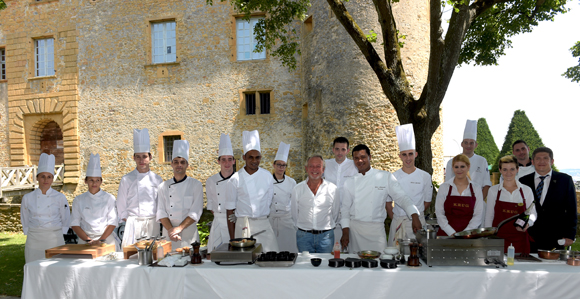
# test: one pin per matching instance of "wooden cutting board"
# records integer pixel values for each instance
(94, 250)
(130, 250)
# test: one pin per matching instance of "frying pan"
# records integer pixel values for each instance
(482, 232)
(249, 242)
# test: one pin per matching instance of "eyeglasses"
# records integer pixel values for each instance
(281, 165)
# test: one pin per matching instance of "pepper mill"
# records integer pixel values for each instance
(195, 256)
(413, 257)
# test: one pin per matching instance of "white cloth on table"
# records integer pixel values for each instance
(478, 215)
(506, 196)
(367, 236)
(137, 227)
(215, 190)
(315, 211)
(40, 239)
(250, 195)
(478, 170)
(255, 225)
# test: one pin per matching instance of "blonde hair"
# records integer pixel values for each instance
(508, 159)
(461, 158)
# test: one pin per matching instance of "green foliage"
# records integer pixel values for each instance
(520, 128)
(372, 36)
(401, 36)
(573, 73)
(490, 33)
(203, 228)
(486, 147)
(2, 4)
(11, 263)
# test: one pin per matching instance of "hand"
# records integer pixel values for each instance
(95, 242)
(124, 219)
(175, 231)
(232, 218)
(524, 229)
(416, 223)
(345, 237)
(568, 242)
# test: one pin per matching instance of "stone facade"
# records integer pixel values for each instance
(106, 84)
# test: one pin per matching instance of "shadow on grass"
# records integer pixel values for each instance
(11, 269)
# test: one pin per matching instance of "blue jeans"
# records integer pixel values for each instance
(320, 243)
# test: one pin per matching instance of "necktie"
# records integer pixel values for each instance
(540, 187)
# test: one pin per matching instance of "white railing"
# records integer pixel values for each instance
(21, 178)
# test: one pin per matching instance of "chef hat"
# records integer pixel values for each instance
(46, 163)
(283, 150)
(141, 142)
(94, 167)
(225, 146)
(251, 141)
(180, 149)
(470, 130)
(406, 137)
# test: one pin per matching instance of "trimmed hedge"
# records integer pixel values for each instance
(486, 147)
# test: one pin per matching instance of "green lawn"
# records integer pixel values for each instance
(11, 263)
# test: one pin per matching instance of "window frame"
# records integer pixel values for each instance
(3, 76)
(258, 103)
(35, 54)
(161, 144)
(151, 42)
(234, 44)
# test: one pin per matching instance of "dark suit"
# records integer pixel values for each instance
(557, 217)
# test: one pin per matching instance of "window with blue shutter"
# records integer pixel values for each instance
(163, 42)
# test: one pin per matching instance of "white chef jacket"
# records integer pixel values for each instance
(364, 197)
(506, 196)
(215, 189)
(250, 195)
(418, 185)
(338, 173)
(137, 194)
(178, 200)
(50, 211)
(478, 211)
(282, 194)
(315, 212)
(94, 212)
(525, 170)
(478, 171)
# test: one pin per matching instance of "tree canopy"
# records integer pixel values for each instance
(479, 31)
(486, 147)
(573, 72)
(2, 4)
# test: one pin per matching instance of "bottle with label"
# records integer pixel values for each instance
(522, 220)
(336, 250)
(511, 254)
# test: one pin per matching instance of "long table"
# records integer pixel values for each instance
(77, 278)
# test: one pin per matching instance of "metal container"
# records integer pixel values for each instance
(145, 257)
(426, 234)
(404, 246)
(565, 254)
(548, 254)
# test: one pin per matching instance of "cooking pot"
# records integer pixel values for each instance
(548, 254)
(245, 242)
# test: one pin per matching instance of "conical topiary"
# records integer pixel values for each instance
(486, 147)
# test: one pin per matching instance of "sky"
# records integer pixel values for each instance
(527, 78)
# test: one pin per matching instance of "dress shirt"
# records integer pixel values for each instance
(478, 171)
(94, 212)
(48, 211)
(281, 201)
(506, 196)
(365, 196)
(315, 212)
(137, 194)
(178, 200)
(478, 211)
(250, 195)
(418, 185)
(547, 180)
(215, 189)
(338, 173)
(525, 170)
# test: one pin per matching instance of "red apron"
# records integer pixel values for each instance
(458, 210)
(508, 232)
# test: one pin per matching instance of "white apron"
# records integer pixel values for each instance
(367, 236)
(111, 239)
(406, 230)
(188, 235)
(137, 227)
(38, 240)
(218, 233)
(285, 233)
(254, 225)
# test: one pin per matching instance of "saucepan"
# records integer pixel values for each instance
(245, 242)
(482, 232)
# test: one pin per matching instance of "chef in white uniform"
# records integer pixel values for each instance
(215, 190)
(479, 170)
(44, 213)
(280, 212)
(337, 171)
(414, 181)
(249, 196)
(94, 214)
(180, 200)
(364, 204)
(137, 196)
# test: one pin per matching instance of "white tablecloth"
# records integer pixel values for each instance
(68, 278)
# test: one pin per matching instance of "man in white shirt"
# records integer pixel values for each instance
(415, 182)
(337, 171)
(364, 204)
(215, 190)
(137, 196)
(479, 171)
(249, 196)
(315, 209)
(180, 200)
(521, 150)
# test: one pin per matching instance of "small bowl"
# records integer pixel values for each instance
(391, 250)
(388, 256)
(316, 261)
(548, 254)
(368, 254)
